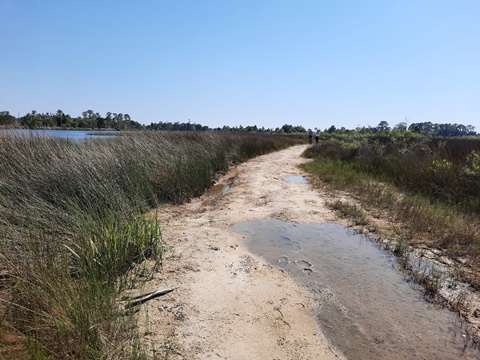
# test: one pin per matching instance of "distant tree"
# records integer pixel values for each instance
(251, 128)
(118, 121)
(331, 129)
(29, 120)
(447, 130)
(400, 127)
(382, 127)
(101, 122)
(287, 128)
(59, 118)
(68, 122)
(7, 119)
(471, 130)
(90, 118)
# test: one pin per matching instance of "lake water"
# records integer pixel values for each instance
(362, 302)
(66, 134)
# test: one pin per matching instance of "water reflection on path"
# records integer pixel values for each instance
(295, 179)
(363, 304)
(214, 193)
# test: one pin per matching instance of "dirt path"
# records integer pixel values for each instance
(231, 304)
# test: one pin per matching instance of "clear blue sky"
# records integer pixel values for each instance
(314, 63)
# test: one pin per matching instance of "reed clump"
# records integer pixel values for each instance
(72, 233)
(432, 185)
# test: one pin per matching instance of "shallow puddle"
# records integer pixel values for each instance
(295, 179)
(363, 304)
(214, 192)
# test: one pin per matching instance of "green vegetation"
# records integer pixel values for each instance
(447, 130)
(119, 121)
(60, 120)
(431, 185)
(423, 128)
(72, 233)
(177, 126)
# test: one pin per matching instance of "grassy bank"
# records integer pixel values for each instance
(72, 235)
(431, 186)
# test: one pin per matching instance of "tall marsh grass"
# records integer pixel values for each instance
(447, 170)
(72, 233)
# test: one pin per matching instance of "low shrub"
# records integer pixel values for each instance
(420, 182)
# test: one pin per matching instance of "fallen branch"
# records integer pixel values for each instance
(145, 296)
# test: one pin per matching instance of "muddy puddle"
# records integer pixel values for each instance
(362, 302)
(295, 179)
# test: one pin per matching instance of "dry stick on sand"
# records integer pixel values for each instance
(145, 296)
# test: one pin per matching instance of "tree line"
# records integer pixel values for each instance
(119, 121)
(178, 126)
(88, 120)
(424, 128)
(448, 130)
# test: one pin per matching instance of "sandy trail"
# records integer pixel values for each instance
(231, 304)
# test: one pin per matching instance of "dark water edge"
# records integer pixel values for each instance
(362, 302)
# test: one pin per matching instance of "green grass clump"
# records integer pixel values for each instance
(72, 233)
(353, 212)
